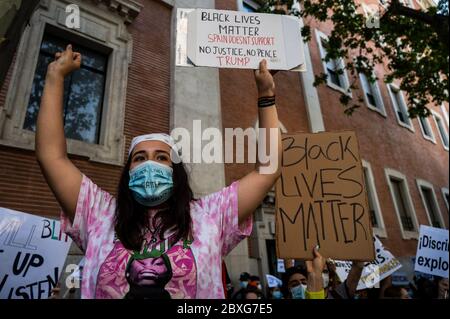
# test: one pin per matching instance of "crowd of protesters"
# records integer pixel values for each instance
(302, 281)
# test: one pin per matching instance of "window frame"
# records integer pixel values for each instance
(98, 27)
(381, 109)
(59, 35)
(252, 4)
(384, 5)
(425, 184)
(445, 191)
(408, 3)
(431, 138)
(445, 113)
(347, 91)
(372, 192)
(437, 117)
(391, 88)
(406, 234)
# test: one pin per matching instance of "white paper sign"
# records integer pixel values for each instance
(231, 39)
(280, 266)
(273, 281)
(32, 254)
(384, 265)
(432, 251)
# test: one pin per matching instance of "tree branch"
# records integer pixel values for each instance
(439, 22)
(397, 9)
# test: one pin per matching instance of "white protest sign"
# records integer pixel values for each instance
(231, 39)
(384, 265)
(32, 254)
(273, 281)
(280, 265)
(432, 251)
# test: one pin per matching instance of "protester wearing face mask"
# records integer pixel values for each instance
(274, 285)
(305, 282)
(243, 280)
(294, 282)
(243, 283)
(255, 281)
(154, 215)
(275, 293)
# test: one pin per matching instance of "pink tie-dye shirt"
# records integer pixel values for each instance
(195, 267)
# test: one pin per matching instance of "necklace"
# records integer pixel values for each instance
(154, 233)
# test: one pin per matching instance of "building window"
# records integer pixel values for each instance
(430, 203)
(407, 3)
(94, 109)
(334, 68)
(372, 94)
(403, 203)
(445, 194)
(425, 4)
(445, 113)
(83, 91)
(400, 200)
(248, 6)
(400, 108)
(374, 205)
(441, 129)
(425, 127)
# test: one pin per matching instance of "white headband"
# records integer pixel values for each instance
(162, 137)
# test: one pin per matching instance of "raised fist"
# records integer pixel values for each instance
(65, 62)
(264, 80)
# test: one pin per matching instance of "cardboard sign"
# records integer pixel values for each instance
(32, 254)
(321, 199)
(231, 39)
(384, 265)
(432, 251)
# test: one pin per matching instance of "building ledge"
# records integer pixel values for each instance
(128, 9)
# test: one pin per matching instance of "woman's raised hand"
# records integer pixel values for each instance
(264, 80)
(65, 62)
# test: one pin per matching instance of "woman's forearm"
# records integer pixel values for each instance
(50, 139)
(269, 159)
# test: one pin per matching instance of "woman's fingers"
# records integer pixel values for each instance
(263, 65)
(316, 252)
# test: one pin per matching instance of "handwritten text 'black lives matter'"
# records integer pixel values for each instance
(239, 30)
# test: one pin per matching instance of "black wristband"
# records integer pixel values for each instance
(266, 101)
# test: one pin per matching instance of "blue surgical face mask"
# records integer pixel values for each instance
(151, 183)
(243, 284)
(298, 292)
(277, 294)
